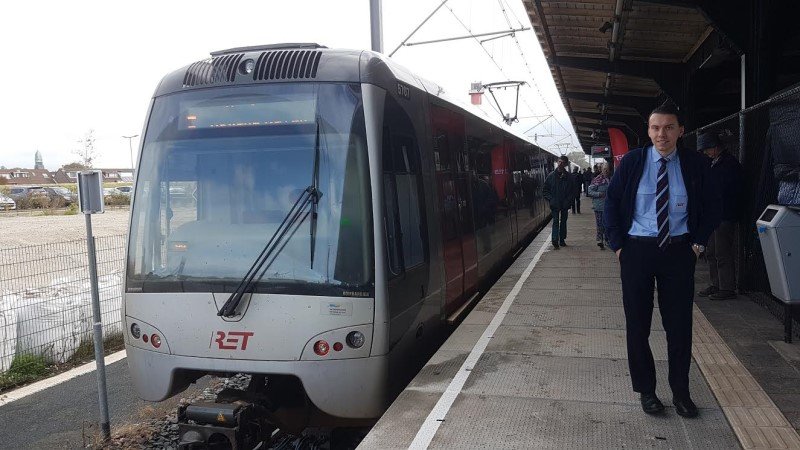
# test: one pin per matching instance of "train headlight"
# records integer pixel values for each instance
(355, 339)
(136, 331)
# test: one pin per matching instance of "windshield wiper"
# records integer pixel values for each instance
(258, 268)
(317, 194)
(293, 218)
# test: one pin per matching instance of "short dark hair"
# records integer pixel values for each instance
(668, 108)
(564, 158)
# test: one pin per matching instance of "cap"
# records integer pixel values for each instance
(707, 140)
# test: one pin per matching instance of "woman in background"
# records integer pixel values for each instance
(597, 192)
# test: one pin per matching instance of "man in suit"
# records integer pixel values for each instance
(660, 210)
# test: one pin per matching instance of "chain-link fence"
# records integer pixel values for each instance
(46, 302)
(766, 140)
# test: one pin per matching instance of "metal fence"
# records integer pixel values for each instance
(766, 139)
(45, 298)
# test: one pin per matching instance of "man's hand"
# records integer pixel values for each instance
(618, 253)
(696, 251)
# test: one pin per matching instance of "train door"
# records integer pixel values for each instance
(455, 206)
(513, 203)
(463, 175)
(404, 212)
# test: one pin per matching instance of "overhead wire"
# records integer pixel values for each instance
(525, 61)
(500, 68)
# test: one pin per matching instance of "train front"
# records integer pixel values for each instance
(251, 241)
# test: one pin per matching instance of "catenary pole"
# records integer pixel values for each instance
(376, 26)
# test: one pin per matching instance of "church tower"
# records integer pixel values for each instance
(38, 164)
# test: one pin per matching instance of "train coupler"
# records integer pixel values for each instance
(235, 426)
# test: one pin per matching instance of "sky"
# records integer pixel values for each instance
(72, 67)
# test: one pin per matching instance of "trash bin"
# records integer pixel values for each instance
(779, 233)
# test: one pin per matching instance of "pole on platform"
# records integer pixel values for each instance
(90, 198)
(97, 329)
(376, 25)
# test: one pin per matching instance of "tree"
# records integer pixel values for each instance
(74, 167)
(86, 153)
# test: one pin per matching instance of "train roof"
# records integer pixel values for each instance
(295, 62)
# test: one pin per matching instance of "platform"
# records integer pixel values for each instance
(541, 363)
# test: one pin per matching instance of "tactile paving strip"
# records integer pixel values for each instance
(523, 423)
(757, 422)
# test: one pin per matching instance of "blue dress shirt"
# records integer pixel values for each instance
(645, 220)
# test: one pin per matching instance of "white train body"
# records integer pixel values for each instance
(421, 201)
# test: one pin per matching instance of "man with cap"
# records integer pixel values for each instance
(727, 173)
(558, 190)
(659, 213)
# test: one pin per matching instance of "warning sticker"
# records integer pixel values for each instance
(336, 308)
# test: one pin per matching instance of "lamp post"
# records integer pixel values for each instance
(130, 146)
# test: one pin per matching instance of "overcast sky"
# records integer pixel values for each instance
(69, 67)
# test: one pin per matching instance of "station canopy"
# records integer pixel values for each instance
(613, 61)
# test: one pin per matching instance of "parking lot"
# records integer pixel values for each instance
(22, 229)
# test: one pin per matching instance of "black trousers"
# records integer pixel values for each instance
(576, 205)
(720, 256)
(643, 266)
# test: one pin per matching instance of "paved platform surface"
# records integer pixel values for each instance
(541, 363)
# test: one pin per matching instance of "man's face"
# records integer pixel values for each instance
(712, 152)
(561, 164)
(664, 131)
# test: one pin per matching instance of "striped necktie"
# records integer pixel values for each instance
(662, 204)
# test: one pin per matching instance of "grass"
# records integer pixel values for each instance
(28, 368)
(24, 369)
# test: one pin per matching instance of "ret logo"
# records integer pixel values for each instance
(232, 340)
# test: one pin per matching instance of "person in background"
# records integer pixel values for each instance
(661, 207)
(727, 171)
(597, 192)
(577, 183)
(558, 190)
(587, 180)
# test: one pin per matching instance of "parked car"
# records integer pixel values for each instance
(107, 192)
(27, 192)
(7, 203)
(60, 196)
(127, 190)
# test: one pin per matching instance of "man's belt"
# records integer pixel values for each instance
(654, 239)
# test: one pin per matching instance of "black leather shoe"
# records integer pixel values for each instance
(651, 404)
(562, 243)
(685, 407)
(555, 245)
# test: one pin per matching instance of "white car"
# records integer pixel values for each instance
(7, 203)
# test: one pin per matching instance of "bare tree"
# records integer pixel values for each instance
(86, 152)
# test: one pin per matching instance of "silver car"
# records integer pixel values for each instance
(7, 203)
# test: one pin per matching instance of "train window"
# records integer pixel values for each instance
(401, 182)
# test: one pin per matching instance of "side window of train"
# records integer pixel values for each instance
(403, 213)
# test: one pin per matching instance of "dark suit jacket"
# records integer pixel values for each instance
(705, 206)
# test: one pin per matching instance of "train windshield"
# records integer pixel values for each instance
(221, 169)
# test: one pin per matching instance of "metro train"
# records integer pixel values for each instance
(314, 217)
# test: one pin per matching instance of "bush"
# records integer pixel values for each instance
(117, 200)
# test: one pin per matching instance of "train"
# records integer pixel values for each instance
(314, 217)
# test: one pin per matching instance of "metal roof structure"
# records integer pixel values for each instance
(613, 61)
